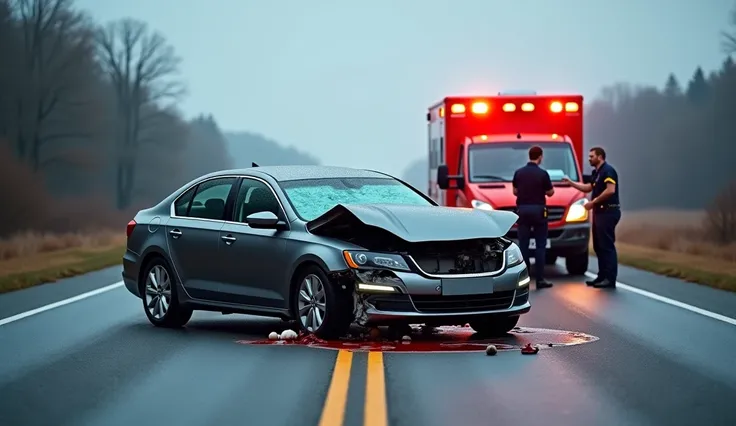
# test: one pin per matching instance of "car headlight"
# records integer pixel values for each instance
(481, 205)
(524, 279)
(577, 212)
(513, 256)
(368, 260)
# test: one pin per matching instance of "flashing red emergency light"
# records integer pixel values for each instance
(457, 109)
(479, 108)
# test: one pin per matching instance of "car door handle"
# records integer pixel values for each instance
(175, 233)
(229, 239)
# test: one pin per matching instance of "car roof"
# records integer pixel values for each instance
(297, 172)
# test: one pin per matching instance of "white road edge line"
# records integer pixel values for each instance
(667, 300)
(60, 303)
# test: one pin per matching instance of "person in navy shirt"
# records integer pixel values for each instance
(531, 185)
(606, 208)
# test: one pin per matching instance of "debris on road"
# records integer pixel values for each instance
(374, 333)
(491, 350)
(273, 336)
(288, 335)
(529, 349)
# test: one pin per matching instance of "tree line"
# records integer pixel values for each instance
(89, 129)
(674, 146)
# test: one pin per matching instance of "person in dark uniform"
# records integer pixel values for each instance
(531, 184)
(606, 215)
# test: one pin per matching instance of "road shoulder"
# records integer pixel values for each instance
(698, 295)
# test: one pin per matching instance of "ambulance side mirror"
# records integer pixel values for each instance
(444, 178)
(587, 178)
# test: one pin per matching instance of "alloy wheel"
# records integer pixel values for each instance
(158, 292)
(312, 302)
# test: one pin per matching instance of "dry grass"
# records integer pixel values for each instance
(672, 231)
(673, 243)
(31, 243)
(29, 258)
(665, 242)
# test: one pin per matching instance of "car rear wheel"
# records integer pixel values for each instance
(577, 264)
(160, 300)
(494, 327)
(319, 306)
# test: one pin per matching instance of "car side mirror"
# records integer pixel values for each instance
(587, 178)
(264, 220)
(444, 178)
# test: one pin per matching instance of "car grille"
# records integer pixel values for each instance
(448, 264)
(464, 303)
(554, 213)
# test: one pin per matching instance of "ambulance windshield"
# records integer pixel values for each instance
(497, 162)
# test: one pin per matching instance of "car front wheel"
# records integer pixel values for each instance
(321, 307)
(494, 327)
(160, 300)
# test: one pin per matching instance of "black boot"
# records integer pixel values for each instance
(606, 283)
(592, 283)
(543, 284)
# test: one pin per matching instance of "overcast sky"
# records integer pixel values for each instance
(350, 80)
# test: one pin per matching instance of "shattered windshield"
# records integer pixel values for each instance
(313, 197)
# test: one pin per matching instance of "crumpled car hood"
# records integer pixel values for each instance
(421, 223)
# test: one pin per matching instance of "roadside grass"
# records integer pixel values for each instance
(30, 259)
(668, 243)
(672, 243)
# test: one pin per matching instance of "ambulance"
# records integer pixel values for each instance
(476, 143)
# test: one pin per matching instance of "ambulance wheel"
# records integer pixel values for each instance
(577, 264)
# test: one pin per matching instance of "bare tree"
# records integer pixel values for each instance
(57, 47)
(729, 37)
(720, 220)
(142, 68)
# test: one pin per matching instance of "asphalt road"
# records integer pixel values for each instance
(97, 361)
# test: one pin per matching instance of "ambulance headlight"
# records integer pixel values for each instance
(577, 212)
(481, 205)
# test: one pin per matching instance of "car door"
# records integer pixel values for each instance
(193, 236)
(253, 261)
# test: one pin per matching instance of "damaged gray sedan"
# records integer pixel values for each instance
(327, 247)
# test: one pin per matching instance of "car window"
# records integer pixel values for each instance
(181, 206)
(210, 198)
(255, 196)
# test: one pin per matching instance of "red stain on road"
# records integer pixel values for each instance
(441, 339)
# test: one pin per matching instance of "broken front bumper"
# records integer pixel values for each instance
(420, 299)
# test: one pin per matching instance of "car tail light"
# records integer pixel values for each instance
(129, 229)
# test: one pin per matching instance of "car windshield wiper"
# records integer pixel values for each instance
(490, 177)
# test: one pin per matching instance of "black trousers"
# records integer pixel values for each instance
(532, 223)
(604, 242)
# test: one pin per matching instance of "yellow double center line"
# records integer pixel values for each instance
(375, 413)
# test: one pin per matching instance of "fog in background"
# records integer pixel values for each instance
(106, 106)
